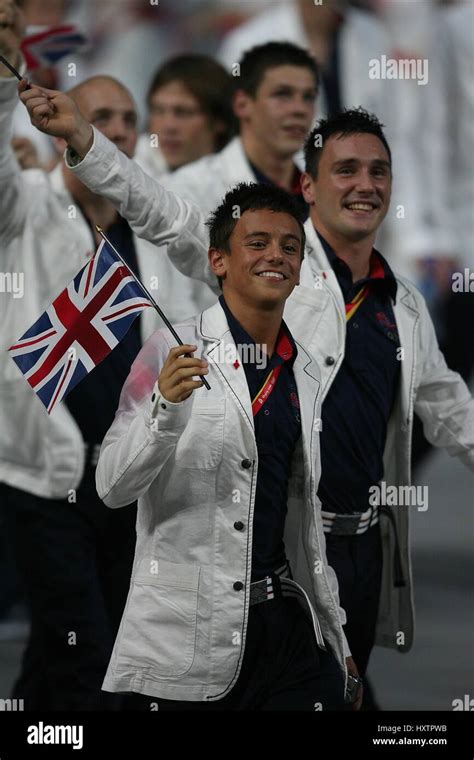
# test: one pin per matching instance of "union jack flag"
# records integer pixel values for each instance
(47, 47)
(82, 325)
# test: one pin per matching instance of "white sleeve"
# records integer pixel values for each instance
(154, 213)
(13, 198)
(144, 433)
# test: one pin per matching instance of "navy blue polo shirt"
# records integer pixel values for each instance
(358, 405)
(277, 430)
(94, 401)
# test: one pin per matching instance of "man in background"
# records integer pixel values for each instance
(190, 114)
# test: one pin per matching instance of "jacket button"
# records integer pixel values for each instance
(246, 463)
(239, 525)
(238, 586)
(330, 361)
(153, 397)
(163, 406)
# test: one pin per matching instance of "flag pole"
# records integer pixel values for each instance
(13, 70)
(149, 296)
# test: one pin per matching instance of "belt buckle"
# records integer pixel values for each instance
(267, 588)
(345, 525)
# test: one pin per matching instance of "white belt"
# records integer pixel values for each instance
(349, 525)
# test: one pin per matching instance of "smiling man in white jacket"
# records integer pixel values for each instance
(316, 311)
(232, 604)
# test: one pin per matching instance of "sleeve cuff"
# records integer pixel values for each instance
(101, 153)
(169, 414)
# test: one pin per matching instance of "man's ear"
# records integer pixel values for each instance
(241, 104)
(60, 145)
(308, 188)
(217, 262)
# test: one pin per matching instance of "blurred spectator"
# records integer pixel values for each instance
(447, 142)
(190, 116)
(274, 99)
(341, 38)
(344, 41)
(39, 13)
(190, 113)
(25, 153)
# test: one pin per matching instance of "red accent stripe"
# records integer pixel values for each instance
(266, 389)
(127, 308)
(284, 350)
(32, 342)
(377, 272)
(60, 386)
(52, 32)
(89, 275)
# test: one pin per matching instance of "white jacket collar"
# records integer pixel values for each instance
(235, 165)
(213, 327)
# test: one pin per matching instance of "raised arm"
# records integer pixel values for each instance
(13, 201)
(154, 213)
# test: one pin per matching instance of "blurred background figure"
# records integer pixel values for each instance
(25, 153)
(189, 117)
(342, 39)
(189, 114)
(274, 94)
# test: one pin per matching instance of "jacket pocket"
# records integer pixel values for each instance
(159, 624)
(201, 443)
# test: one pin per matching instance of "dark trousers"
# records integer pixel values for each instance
(75, 560)
(283, 668)
(357, 562)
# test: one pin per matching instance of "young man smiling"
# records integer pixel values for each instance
(347, 187)
(232, 604)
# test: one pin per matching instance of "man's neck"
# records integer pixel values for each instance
(280, 170)
(356, 254)
(97, 210)
(263, 325)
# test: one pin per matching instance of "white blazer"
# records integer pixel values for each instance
(182, 635)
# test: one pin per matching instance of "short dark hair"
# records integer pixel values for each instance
(208, 81)
(350, 121)
(256, 61)
(250, 197)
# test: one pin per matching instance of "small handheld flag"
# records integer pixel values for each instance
(153, 302)
(82, 325)
(46, 47)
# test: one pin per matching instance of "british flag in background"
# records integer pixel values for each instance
(82, 325)
(46, 47)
